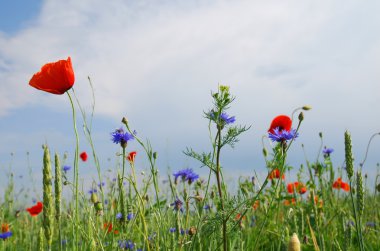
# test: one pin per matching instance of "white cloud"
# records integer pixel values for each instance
(157, 62)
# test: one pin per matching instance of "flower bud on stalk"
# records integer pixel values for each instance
(294, 243)
(47, 197)
(349, 157)
(360, 193)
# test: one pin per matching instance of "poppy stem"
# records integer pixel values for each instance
(76, 171)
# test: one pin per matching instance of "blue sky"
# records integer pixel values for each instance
(156, 62)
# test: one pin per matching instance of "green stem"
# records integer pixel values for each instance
(76, 171)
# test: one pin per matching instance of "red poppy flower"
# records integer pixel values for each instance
(4, 227)
(296, 186)
(56, 78)
(36, 209)
(131, 156)
(275, 174)
(83, 156)
(108, 227)
(339, 184)
(290, 202)
(239, 217)
(256, 205)
(283, 122)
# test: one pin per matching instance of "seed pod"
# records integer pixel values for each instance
(306, 107)
(294, 243)
(300, 116)
(192, 231)
(349, 156)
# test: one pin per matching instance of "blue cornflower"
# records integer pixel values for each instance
(226, 119)
(172, 229)
(91, 191)
(327, 152)
(121, 137)
(282, 135)
(119, 216)
(66, 168)
(370, 224)
(186, 175)
(207, 207)
(130, 216)
(127, 245)
(102, 184)
(5, 235)
(177, 204)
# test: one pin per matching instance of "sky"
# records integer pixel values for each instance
(157, 62)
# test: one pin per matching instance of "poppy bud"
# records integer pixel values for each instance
(320, 134)
(306, 107)
(94, 198)
(265, 152)
(300, 116)
(124, 121)
(65, 183)
(294, 243)
(98, 206)
(155, 155)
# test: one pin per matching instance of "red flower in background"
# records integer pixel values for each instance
(131, 156)
(83, 156)
(108, 227)
(296, 186)
(283, 122)
(56, 78)
(36, 209)
(339, 184)
(275, 174)
(4, 227)
(290, 202)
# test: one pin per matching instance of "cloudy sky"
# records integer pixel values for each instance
(156, 62)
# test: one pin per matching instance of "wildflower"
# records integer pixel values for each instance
(55, 78)
(101, 184)
(127, 245)
(121, 137)
(119, 216)
(186, 174)
(92, 191)
(227, 120)
(131, 157)
(172, 229)
(36, 209)
(109, 227)
(5, 235)
(177, 204)
(4, 227)
(256, 205)
(207, 207)
(327, 151)
(282, 122)
(275, 174)
(339, 184)
(224, 118)
(66, 168)
(298, 186)
(130, 216)
(239, 217)
(370, 224)
(83, 156)
(290, 202)
(279, 135)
